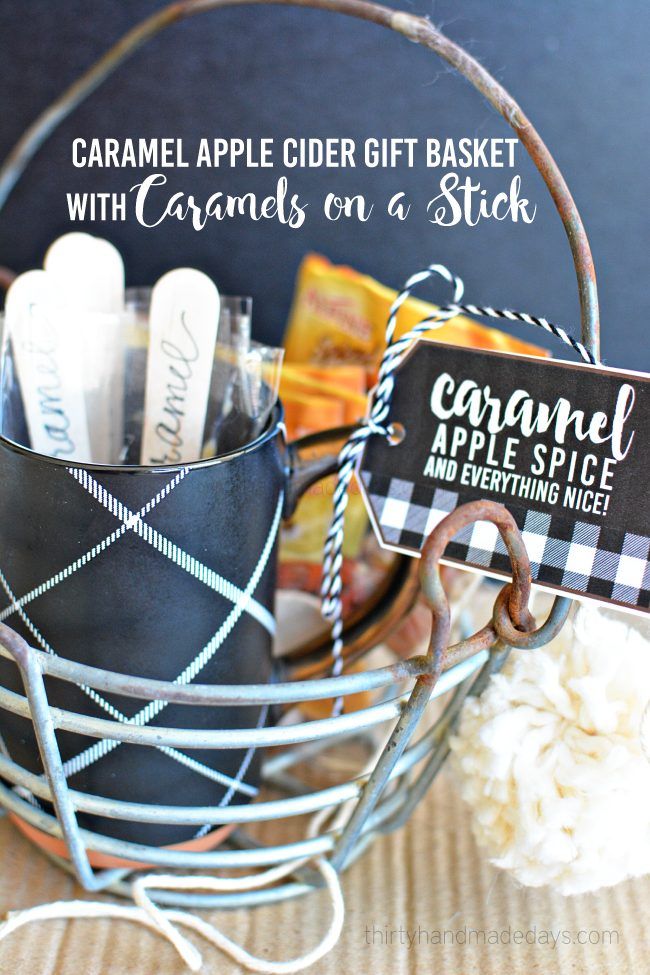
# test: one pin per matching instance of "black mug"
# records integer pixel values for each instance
(165, 573)
(162, 573)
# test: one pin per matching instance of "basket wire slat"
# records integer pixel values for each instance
(380, 800)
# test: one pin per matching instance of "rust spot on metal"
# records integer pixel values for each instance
(531, 639)
(514, 596)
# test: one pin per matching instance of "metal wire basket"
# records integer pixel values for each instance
(377, 797)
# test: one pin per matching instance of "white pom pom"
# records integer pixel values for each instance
(550, 757)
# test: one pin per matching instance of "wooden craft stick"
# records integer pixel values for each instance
(46, 344)
(183, 325)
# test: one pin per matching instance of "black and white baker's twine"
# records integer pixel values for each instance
(375, 425)
(520, 316)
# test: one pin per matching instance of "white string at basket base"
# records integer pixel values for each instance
(166, 922)
(375, 425)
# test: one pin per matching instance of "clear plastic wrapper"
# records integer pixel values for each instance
(243, 391)
(249, 376)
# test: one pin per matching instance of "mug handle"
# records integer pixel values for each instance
(384, 610)
(304, 472)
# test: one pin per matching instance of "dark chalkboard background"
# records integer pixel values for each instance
(580, 70)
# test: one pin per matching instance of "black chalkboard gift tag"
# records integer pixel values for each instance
(564, 446)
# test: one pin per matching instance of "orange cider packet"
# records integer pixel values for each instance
(339, 316)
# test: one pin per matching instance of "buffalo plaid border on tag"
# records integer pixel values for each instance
(572, 555)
